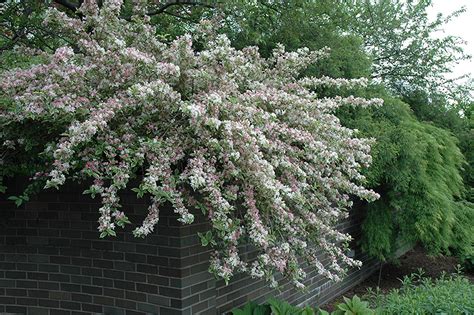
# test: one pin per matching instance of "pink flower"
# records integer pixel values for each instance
(63, 54)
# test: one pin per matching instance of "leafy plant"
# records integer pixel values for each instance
(274, 307)
(280, 307)
(417, 171)
(252, 308)
(354, 306)
(452, 294)
(468, 262)
(398, 35)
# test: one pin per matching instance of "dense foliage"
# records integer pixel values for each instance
(354, 306)
(400, 38)
(450, 294)
(458, 118)
(453, 294)
(417, 171)
(241, 137)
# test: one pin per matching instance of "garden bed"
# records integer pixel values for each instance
(407, 264)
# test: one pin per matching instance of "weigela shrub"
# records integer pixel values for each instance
(243, 138)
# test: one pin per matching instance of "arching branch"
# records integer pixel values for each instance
(73, 6)
(178, 2)
(68, 4)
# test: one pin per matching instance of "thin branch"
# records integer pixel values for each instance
(68, 4)
(178, 2)
(10, 44)
(268, 6)
(177, 15)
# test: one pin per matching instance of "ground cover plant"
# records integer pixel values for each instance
(243, 138)
(353, 306)
(449, 294)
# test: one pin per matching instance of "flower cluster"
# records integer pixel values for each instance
(242, 137)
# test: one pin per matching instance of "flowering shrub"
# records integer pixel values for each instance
(243, 138)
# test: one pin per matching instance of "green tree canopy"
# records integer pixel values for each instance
(417, 171)
(402, 41)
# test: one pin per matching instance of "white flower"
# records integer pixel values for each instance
(120, 42)
(193, 109)
(214, 123)
(197, 182)
(235, 155)
(215, 98)
(63, 53)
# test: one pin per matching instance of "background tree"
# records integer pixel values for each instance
(402, 41)
(457, 117)
(417, 170)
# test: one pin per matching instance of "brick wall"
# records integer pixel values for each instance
(52, 262)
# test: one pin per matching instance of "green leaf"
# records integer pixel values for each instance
(261, 310)
(91, 192)
(307, 311)
(18, 200)
(139, 191)
(203, 239)
(202, 207)
(343, 307)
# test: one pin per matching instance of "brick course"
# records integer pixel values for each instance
(53, 262)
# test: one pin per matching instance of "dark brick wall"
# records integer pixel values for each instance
(53, 262)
